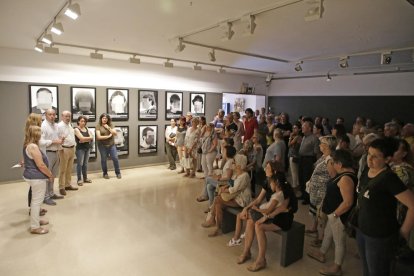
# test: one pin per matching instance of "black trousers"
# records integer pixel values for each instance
(305, 173)
(171, 154)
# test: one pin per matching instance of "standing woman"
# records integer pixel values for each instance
(240, 131)
(379, 190)
(340, 198)
(190, 142)
(106, 145)
(209, 150)
(179, 143)
(36, 173)
(317, 184)
(84, 138)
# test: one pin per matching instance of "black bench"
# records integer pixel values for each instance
(292, 240)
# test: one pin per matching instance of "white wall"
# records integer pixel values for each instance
(362, 85)
(31, 66)
(250, 101)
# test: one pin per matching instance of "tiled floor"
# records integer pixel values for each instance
(147, 223)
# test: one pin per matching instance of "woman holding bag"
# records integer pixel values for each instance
(190, 142)
(239, 195)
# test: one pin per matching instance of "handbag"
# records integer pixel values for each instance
(255, 215)
(228, 196)
(351, 223)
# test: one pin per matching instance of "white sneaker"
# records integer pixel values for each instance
(234, 242)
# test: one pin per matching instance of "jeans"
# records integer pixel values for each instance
(376, 254)
(335, 231)
(105, 151)
(82, 158)
(38, 187)
(210, 189)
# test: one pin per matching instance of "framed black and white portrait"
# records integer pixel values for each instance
(197, 103)
(42, 98)
(83, 103)
(92, 154)
(122, 140)
(173, 105)
(117, 104)
(147, 106)
(147, 139)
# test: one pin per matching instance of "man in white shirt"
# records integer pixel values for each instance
(66, 153)
(170, 137)
(51, 144)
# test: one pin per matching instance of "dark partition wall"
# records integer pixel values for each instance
(380, 108)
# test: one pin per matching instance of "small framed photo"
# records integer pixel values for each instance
(42, 98)
(92, 154)
(117, 104)
(173, 105)
(122, 140)
(147, 139)
(147, 105)
(197, 103)
(83, 103)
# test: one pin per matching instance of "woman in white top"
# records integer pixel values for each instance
(238, 195)
(190, 143)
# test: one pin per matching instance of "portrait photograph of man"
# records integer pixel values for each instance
(43, 98)
(147, 137)
(197, 103)
(147, 106)
(118, 103)
(83, 103)
(174, 105)
(121, 140)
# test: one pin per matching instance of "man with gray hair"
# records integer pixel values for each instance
(407, 133)
(391, 129)
(66, 153)
(52, 142)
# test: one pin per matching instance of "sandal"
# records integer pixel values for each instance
(43, 222)
(316, 243)
(201, 199)
(234, 242)
(243, 258)
(330, 272)
(256, 266)
(192, 175)
(215, 233)
(39, 231)
(208, 224)
(315, 255)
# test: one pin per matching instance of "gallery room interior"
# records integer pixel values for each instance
(145, 62)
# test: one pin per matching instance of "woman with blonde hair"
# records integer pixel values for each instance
(190, 143)
(36, 173)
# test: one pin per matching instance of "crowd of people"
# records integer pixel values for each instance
(245, 163)
(49, 151)
(335, 172)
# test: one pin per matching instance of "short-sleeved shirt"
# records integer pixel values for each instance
(249, 127)
(104, 132)
(378, 205)
(278, 148)
(309, 146)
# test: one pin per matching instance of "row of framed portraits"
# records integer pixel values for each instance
(83, 102)
(147, 140)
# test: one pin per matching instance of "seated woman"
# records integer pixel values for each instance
(339, 199)
(279, 218)
(238, 195)
(212, 181)
(262, 200)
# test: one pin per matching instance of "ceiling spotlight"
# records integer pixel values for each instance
(51, 50)
(73, 10)
(227, 32)
(180, 46)
(47, 38)
(386, 58)
(221, 70)
(298, 66)
(328, 77)
(343, 62)
(315, 11)
(57, 28)
(249, 24)
(96, 55)
(212, 55)
(39, 47)
(269, 78)
(197, 67)
(168, 64)
(134, 60)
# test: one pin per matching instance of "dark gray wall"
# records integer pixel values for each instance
(380, 108)
(14, 108)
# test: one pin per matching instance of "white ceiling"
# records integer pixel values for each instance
(347, 28)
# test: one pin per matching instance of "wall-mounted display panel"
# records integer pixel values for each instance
(83, 103)
(147, 139)
(122, 140)
(117, 104)
(42, 98)
(173, 105)
(147, 105)
(197, 103)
